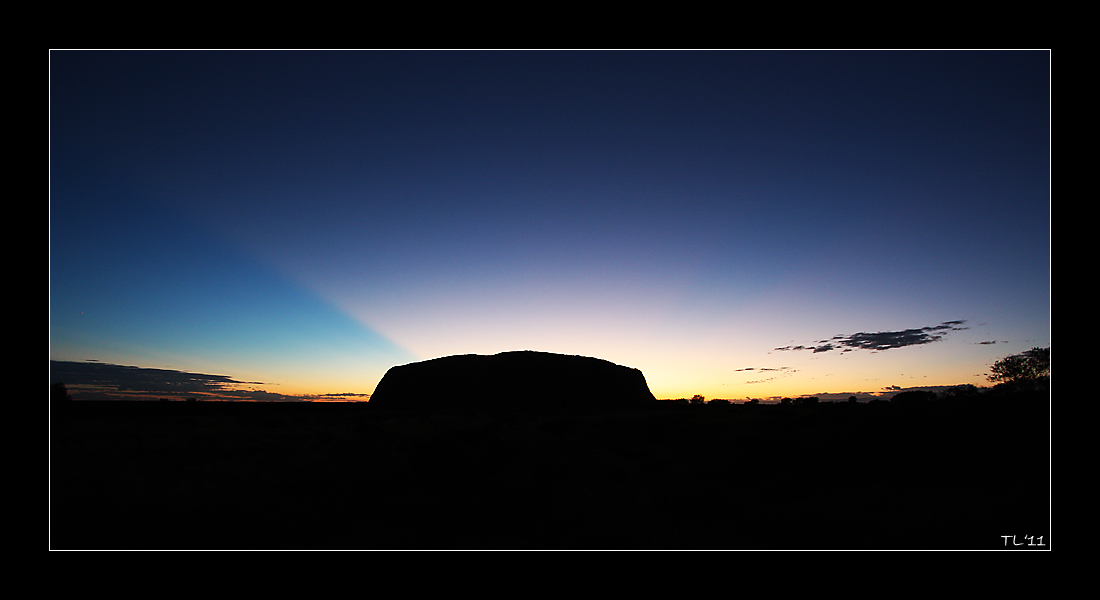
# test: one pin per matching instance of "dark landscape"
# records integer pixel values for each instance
(961, 471)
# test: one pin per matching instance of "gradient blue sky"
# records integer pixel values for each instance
(306, 220)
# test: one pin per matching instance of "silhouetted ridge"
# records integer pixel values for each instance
(523, 379)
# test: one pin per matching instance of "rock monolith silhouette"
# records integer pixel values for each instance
(513, 380)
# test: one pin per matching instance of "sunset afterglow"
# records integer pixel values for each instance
(733, 224)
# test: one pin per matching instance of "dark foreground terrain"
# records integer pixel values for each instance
(958, 474)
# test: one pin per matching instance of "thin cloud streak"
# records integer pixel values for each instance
(782, 372)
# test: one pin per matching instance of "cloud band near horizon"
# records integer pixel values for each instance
(94, 380)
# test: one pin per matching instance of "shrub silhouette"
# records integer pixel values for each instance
(960, 391)
(913, 397)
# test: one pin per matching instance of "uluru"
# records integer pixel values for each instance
(513, 380)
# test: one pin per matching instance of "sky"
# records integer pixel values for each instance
(736, 224)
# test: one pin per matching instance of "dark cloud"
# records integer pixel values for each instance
(96, 380)
(882, 340)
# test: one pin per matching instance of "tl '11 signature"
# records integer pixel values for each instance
(1030, 541)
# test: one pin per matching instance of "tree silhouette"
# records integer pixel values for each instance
(60, 402)
(1018, 369)
(59, 395)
